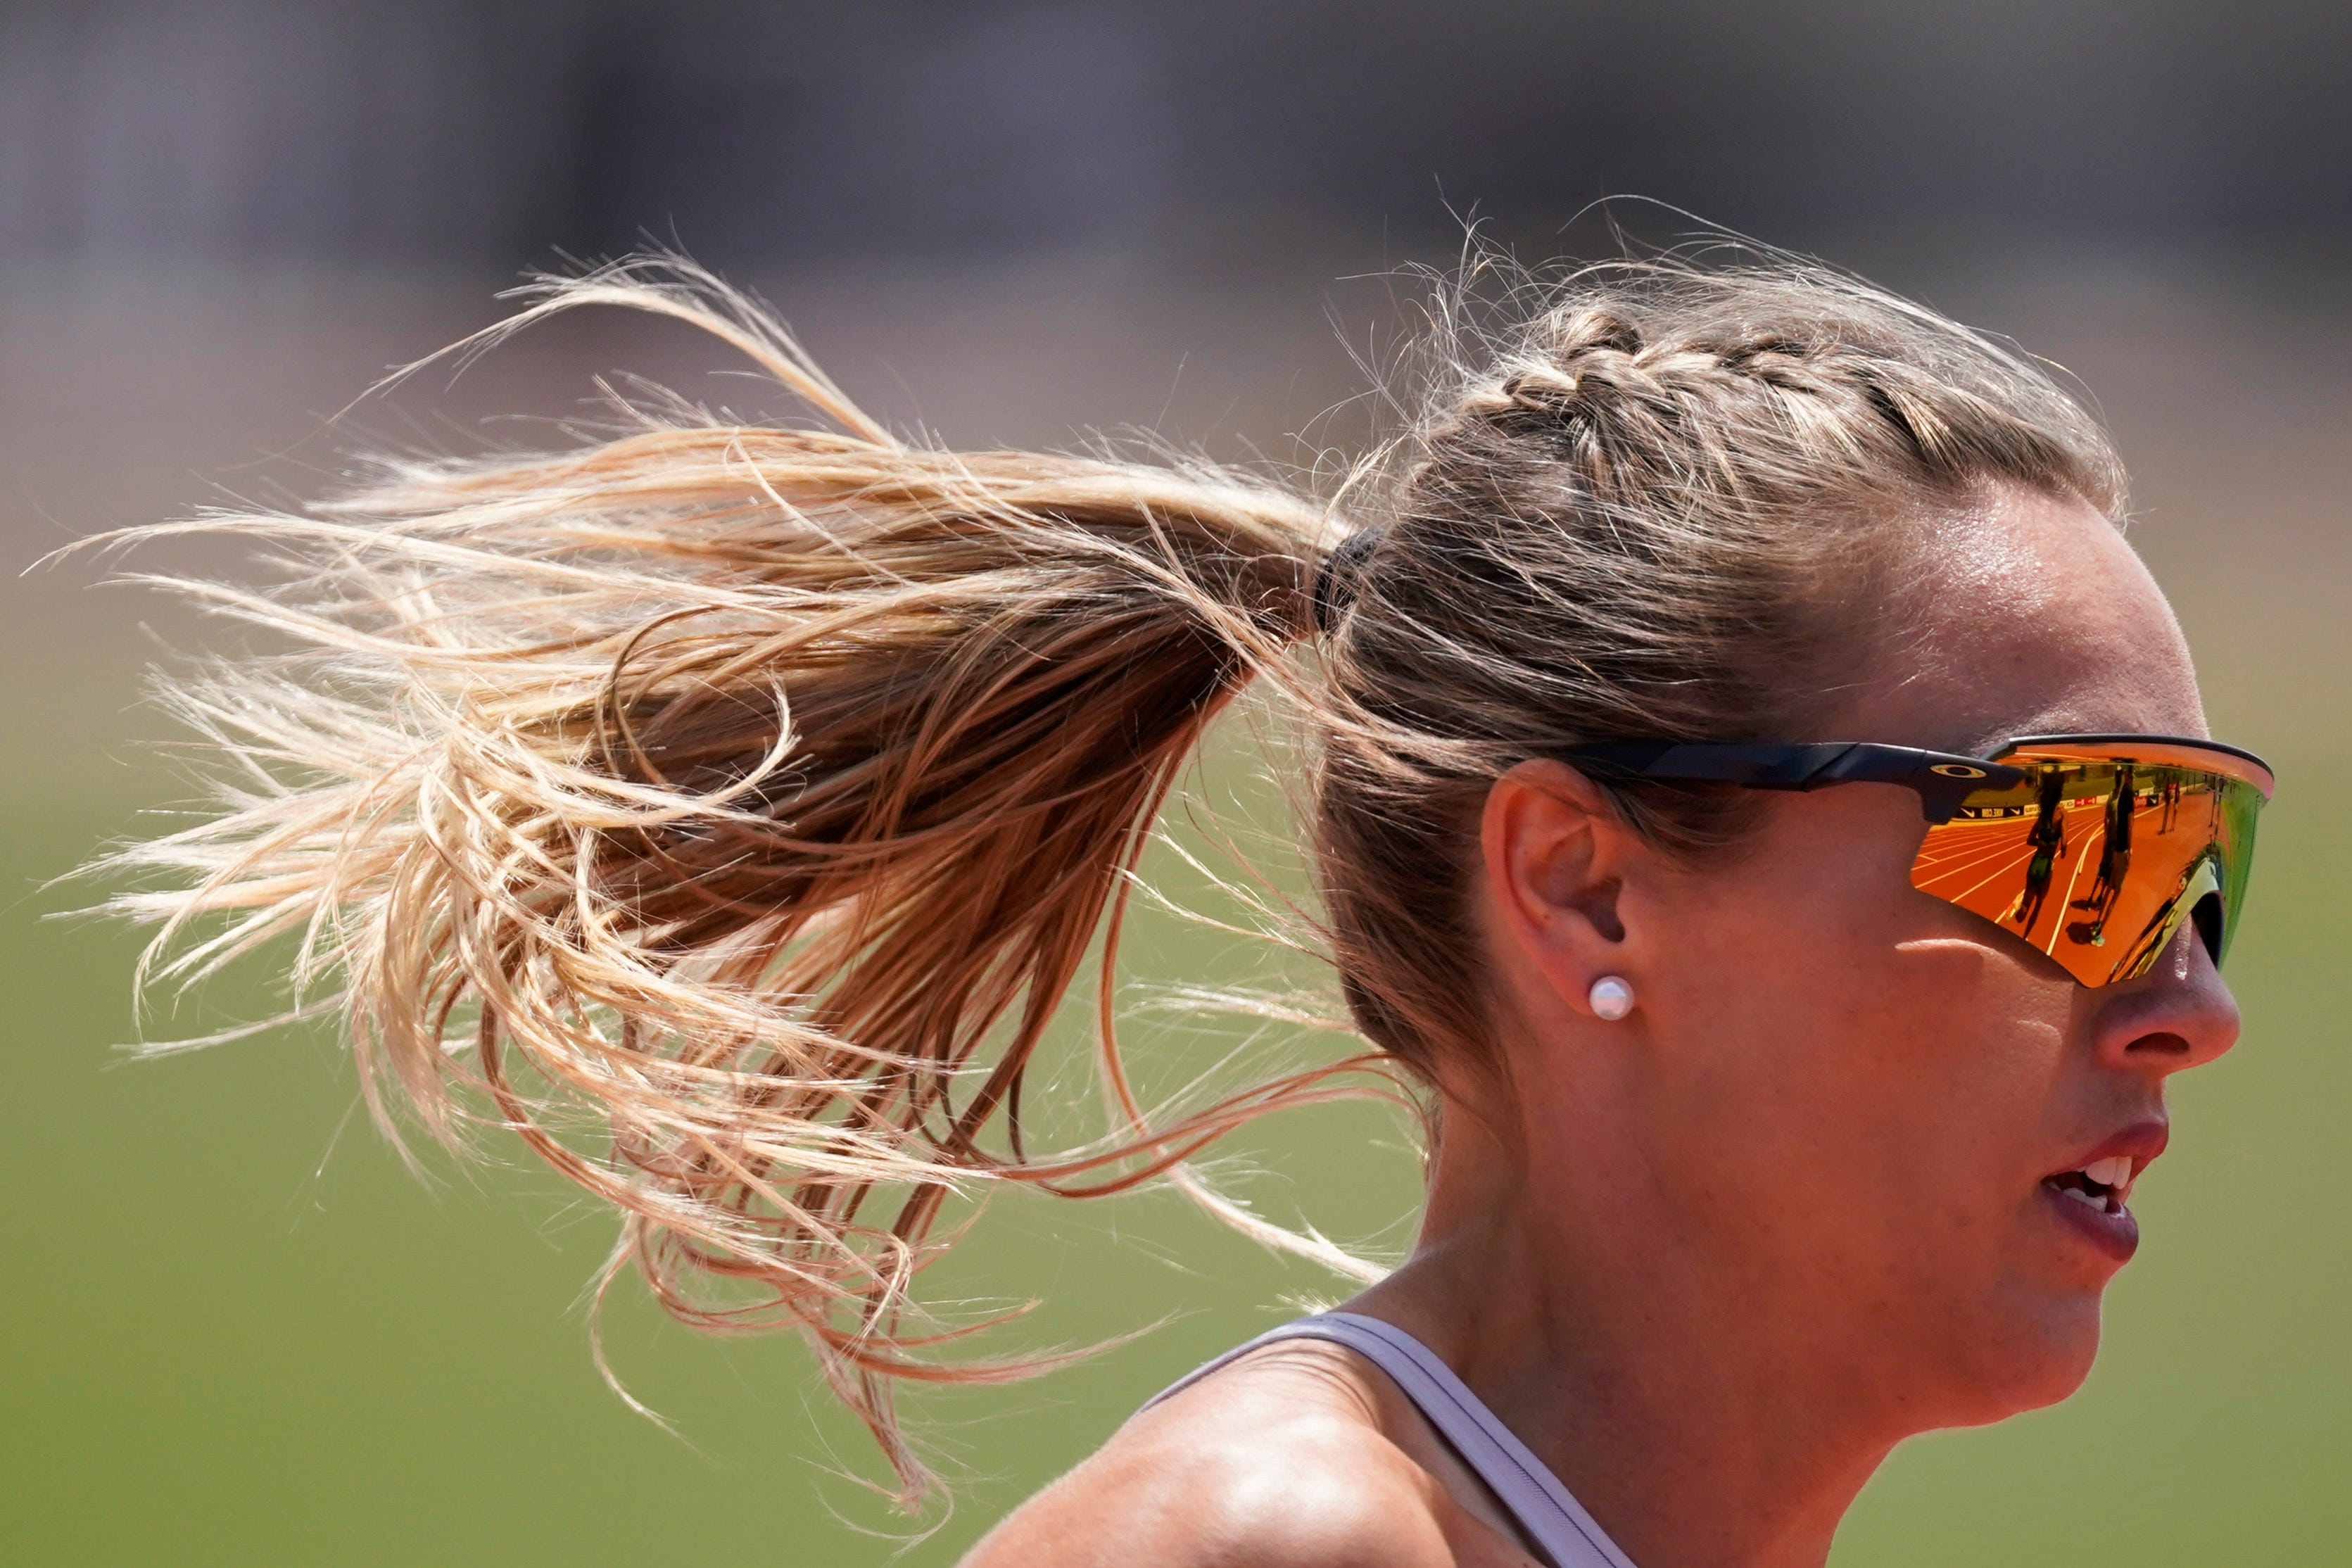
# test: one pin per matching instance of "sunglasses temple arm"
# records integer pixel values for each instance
(1943, 781)
(1808, 768)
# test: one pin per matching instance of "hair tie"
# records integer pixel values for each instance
(1331, 593)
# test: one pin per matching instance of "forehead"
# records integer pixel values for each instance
(2028, 615)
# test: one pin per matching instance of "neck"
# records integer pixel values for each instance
(1697, 1424)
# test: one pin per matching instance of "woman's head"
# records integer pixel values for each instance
(1757, 508)
(1671, 504)
(732, 805)
(1843, 1109)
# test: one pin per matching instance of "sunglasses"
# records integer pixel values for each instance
(2095, 848)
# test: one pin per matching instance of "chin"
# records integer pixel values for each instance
(2027, 1361)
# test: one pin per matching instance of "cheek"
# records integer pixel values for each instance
(1872, 1109)
(1873, 1084)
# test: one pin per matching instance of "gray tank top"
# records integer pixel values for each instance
(1555, 1520)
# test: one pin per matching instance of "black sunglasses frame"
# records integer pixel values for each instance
(1942, 780)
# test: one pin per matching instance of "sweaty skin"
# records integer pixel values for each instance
(1713, 1261)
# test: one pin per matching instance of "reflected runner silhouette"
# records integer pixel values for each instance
(2048, 838)
(2115, 860)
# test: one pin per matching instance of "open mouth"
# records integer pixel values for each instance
(2102, 1184)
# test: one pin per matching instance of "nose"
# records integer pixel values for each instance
(2180, 1015)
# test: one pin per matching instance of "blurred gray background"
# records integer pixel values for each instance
(233, 1329)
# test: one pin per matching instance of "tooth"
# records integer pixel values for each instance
(2111, 1172)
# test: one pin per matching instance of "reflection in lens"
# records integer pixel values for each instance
(2126, 845)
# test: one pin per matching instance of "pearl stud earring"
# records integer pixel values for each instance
(1612, 997)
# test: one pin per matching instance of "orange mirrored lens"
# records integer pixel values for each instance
(2100, 855)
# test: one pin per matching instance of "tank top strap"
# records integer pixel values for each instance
(1551, 1516)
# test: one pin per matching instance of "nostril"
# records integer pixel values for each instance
(2163, 1043)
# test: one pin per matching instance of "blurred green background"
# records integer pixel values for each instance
(233, 1329)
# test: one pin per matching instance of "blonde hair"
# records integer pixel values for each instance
(759, 791)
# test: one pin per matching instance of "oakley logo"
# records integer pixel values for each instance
(1956, 770)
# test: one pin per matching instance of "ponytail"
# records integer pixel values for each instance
(744, 798)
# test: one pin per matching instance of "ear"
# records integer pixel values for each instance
(1556, 853)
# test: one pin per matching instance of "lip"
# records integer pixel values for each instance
(2142, 1141)
(2115, 1235)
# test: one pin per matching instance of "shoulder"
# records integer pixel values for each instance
(1279, 1460)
